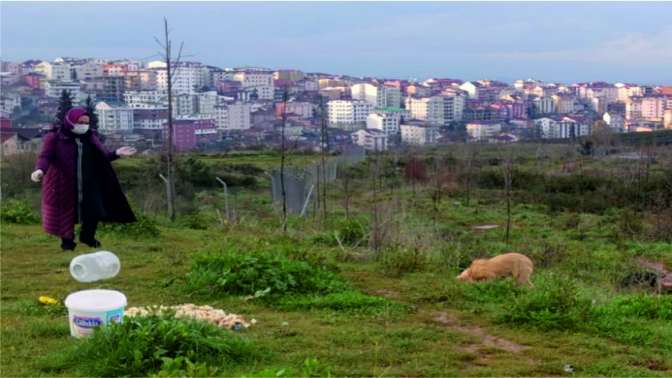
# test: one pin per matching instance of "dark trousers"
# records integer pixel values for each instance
(87, 232)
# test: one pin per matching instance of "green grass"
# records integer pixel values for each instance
(349, 311)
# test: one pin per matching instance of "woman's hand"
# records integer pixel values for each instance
(37, 175)
(125, 151)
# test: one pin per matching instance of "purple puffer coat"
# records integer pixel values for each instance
(58, 160)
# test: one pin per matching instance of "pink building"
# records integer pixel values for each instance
(5, 123)
(188, 133)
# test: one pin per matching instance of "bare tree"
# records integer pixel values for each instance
(508, 178)
(347, 191)
(472, 153)
(166, 52)
(376, 239)
(285, 97)
(324, 145)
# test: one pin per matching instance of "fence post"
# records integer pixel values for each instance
(170, 204)
(226, 198)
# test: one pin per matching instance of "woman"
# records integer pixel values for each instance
(79, 185)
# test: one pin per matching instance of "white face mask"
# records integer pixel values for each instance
(80, 128)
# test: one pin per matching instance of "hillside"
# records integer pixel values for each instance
(371, 290)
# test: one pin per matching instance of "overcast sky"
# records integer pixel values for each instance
(551, 41)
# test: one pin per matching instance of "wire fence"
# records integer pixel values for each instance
(300, 183)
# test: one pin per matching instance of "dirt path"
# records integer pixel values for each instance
(454, 323)
(486, 340)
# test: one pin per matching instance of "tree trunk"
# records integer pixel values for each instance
(170, 151)
(282, 163)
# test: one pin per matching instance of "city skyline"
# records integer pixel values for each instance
(568, 42)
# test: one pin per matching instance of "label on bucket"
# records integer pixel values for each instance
(87, 321)
(84, 325)
(115, 316)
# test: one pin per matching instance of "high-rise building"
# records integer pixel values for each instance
(348, 114)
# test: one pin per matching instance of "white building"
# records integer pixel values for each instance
(387, 122)
(87, 71)
(615, 121)
(561, 128)
(145, 99)
(564, 103)
(436, 110)
(114, 119)
(9, 101)
(667, 119)
(653, 107)
(188, 77)
(483, 131)
(348, 114)
(206, 102)
(380, 96)
(235, 116)
(418, 134)
(471, 89)
(625, 91)
(303, 109)
(370, 139)
(55, 71)
(184, 104)
(55, 88)
(259, 80)
(150, 119)
(544, 105)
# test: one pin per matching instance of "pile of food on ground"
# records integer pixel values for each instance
(206, 313)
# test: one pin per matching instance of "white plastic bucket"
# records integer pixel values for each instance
(90, 309)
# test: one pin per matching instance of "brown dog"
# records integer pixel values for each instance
(518, 266)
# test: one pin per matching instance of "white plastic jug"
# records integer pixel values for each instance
(94, 266)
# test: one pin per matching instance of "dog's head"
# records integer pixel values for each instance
(465, 276)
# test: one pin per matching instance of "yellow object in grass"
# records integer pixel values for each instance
(47, 300)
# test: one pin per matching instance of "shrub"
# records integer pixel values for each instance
(399, 260)
(15, 211)
(496, 291)
(141, 346)
(196, 221)
(240, 273)
(352, 232)
(554, 304)
(630, 223)
(144, 227)
(550, 254)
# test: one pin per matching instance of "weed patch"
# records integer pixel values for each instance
(260, 274)
(144, 227)
(15, 211)
(554, 304)
(161, 345)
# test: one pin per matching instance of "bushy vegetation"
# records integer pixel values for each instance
(362, 288)
(145, 227)
(234, 272)
(156, 345)
(555, 303)
(15, 211)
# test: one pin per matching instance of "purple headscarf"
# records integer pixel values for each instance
(72, 116)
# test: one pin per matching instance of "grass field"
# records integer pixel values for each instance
(430, 324)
